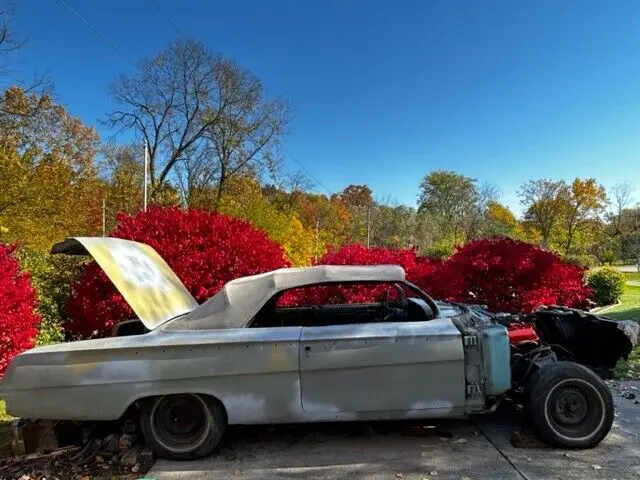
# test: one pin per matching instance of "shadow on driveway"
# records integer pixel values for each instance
(476, 449)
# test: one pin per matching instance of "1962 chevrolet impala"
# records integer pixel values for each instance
(261, 351)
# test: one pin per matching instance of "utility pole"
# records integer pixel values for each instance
(104, 217)
(315, 253)
(146, 173)
(368, 225)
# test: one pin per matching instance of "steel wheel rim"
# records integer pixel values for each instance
(180, 423)
(589, 409)
(570, 406)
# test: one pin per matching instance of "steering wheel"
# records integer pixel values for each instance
(386, 312)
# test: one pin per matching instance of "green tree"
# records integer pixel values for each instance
(52, 277)
(451, 201)
(393, 226)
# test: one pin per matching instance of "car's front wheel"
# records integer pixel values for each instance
(183, 426)
(569, 406)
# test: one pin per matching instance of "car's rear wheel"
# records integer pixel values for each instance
(183, 426)
(569, 406)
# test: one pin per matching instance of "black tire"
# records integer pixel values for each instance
(569, 406)
(183, 426)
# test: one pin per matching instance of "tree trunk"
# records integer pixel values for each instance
(567, 247)
(221, 183)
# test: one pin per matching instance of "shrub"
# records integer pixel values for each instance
(607, 285)
(510, 275)
(52, 276)
(420, 270)
(609, 256)
(18, 316)
(585, 260)
(204, 249)
(441, 249)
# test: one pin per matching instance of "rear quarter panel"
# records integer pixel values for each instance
(254, 372)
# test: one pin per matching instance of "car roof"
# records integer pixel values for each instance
(239, 300)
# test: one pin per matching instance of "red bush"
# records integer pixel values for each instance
(504, 274)
(18, 303)
(511, 276)
(205, 249)
(420, 270)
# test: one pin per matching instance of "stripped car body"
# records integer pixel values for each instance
(261, 375)
(261, 364)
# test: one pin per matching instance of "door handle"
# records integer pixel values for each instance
(307, 348)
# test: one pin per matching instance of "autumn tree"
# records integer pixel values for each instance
(585, 202)
(244, 199)
(544, 202)
(499, 221)
(204, 117)
(330, 216)
(566, 216)
(359, 201)
(357, 196)
(123, 175)
(48, 187)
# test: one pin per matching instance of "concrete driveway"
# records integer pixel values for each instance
(476, 449)
(627, 268)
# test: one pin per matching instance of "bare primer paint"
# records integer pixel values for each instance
(381, 371)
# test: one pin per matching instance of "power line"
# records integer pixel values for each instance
(168, 18)
(308, 172)
(96, 31)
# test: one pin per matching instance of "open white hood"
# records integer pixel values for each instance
(144, 279)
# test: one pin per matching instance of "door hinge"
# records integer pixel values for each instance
(470, 341)
(473, 389)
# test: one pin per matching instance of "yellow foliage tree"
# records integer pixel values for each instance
(585, 201)
(243, 198)
(299, 243)
(500, 221)
(48, 188)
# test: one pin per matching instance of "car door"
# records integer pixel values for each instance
(382, 367)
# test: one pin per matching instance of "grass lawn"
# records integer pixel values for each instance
(630, 305)
(5, 431)
(633, 276)
(628, 310)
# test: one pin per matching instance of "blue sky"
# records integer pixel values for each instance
(386, 91)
